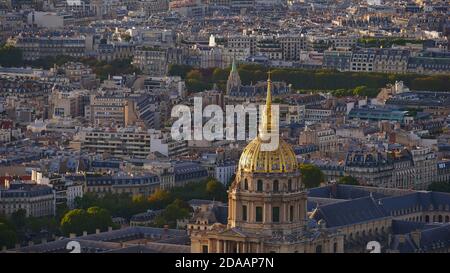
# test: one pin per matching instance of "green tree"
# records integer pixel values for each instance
(75, 221)
(348, 180)
(179, 70)
(439, 186)
(312, 176)
(10, 56)
(99, 218)
(8, 236)
(19, 219)
(175, 211)
(160, 198)
(215, 189)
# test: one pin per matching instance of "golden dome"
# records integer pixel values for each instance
(254, 159)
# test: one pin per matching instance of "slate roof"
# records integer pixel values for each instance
(417, 200)
(430, 239)
(350, 212)
(342, 192)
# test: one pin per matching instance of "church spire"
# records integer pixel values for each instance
(266, 126)
(233, 66)
(269, 104)
(234, 81)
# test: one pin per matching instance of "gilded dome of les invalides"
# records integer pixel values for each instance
(255, 159)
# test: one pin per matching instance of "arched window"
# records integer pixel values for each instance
(245, 184)
(276, 186)
(447, 219)
(335, 247)
(259, 185)
(427, 218)
(440, 219)
(319, 249)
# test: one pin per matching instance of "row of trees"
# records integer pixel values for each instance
(302, 79)
(102, 69)
(123, 205)
(12, 57)
(19, 228)
(386, 42)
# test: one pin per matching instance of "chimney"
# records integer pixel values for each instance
(97, 231)
(166, 230)
(72, 235)
(415, 235)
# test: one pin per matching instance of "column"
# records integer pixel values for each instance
(218, 246)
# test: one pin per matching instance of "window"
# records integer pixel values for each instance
(319, 249)
(205, 249)
(275, 186)
(245, 184)
(259, 185)
(291, 213)
(244, 213)
(259, 214)
(275, 214)
(335, 247)
(289, 185)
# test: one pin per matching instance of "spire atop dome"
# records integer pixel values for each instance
(267, 115)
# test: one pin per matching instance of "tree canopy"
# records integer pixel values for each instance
(10, 56)
(79, 220)
(439, 186)
(312, 176)
(348, 180)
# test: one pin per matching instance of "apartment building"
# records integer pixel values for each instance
(151, 60)
(40, 47)
(134, 185)
(36, 200)
(363, 60)
(110, 109)
(130, 142)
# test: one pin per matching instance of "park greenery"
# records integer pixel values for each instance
(371, 42)
(303, 80)
(94, 212)
(312, 176)
(12, 57)
(20, 228)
